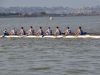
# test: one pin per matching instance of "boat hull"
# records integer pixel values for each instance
(71, 36)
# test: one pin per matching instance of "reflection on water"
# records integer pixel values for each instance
(20, 56)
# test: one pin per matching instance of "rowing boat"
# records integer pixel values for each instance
(61, 36)
(73, 36)
(15, 36)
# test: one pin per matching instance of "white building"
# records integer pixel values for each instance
(83, 7)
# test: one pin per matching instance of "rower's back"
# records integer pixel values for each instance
(41, 31)
(49, 31)
(69, 31)
(14, 31)
(23, 31)
(31, 30)
(59, 31)
(80, 31)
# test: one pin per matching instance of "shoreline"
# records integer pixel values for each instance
(44, 16)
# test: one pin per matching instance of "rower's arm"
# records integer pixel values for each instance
(65, 31)
(77, 32)
(28, 31)
(19, 32)
(10, 32)
(55, 32)
(46, 31)
(37, 32)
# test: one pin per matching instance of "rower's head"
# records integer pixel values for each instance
(22, 28)
(31, 27)
(79, 27)
(40, 27)
(67, 27)
(48, 27)
(57, 27)
(5, 29)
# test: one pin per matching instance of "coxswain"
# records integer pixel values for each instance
(5, 33)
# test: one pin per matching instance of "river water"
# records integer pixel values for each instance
(50, 56)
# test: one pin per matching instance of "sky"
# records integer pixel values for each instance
(49, 3)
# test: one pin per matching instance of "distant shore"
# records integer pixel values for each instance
(21, 15)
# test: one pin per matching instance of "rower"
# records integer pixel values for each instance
(48, 31)
(13, 32)
(67, 31)
(80, 32)
(40, 31)
(5, 33)
(57, 32)
(22, 32)
(30, 31)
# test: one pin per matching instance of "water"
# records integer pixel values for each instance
(50, 56)
(90, 24)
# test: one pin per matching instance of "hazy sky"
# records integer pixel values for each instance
(49, 3)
